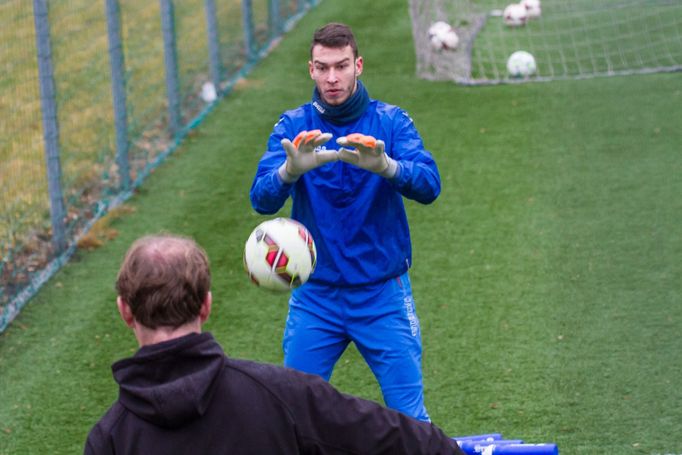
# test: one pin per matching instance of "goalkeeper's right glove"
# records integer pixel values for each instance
(301, 154)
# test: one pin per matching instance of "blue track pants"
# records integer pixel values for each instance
(382, 322)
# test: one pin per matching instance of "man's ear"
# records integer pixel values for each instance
(358, 65)
(205, 310)
(125, 312)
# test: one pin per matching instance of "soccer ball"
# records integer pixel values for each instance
(533, 10)
(442, 36)
(521, 64)
(280, 254)
(515, 15)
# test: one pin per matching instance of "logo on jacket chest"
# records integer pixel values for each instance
(319, 107)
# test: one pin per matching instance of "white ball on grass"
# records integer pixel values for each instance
(521, 64)
(438, 27)
(450, 40)
(533, 8)
(442, 36)
(515, 15)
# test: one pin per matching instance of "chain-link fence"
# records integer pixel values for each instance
(93, 95)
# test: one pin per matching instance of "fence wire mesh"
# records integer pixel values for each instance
(89, 138)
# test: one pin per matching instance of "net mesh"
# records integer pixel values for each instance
(570, 40)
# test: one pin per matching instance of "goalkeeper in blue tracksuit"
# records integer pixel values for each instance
(347, 161)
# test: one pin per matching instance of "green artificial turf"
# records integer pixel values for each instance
(547, 275)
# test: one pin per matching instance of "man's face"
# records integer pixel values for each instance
(335, 72)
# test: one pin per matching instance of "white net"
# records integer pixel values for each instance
(571, 39)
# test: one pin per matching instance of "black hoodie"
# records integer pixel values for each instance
(185, 396)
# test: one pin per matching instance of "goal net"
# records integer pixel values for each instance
(570, 40)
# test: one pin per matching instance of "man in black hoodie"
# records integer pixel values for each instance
(180, 393)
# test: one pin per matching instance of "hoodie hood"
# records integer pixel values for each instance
(170, 384)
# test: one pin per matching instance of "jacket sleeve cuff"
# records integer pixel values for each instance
(284, 176)
(391, 170)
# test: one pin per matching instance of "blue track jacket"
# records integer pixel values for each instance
(356, 218)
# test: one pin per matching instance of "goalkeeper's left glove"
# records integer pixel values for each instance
(368, 153)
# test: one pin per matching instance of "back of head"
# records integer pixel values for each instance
(164, 279)
(334, 35)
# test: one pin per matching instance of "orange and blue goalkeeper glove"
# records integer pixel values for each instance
(367, 153)
(301, 154)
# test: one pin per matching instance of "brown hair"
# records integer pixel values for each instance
(164, 279)
(334, 35)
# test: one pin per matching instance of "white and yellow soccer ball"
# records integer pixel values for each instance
(280, 254)
(515, 15)
(521, 64)
(533, 8)
(442, 36)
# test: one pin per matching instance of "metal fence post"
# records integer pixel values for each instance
(214, 64)
(118, 91)
(171, 64)
(249, 38)
(50, 124)
(274, 19)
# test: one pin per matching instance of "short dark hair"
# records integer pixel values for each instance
(164, 279)
(334, 35)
